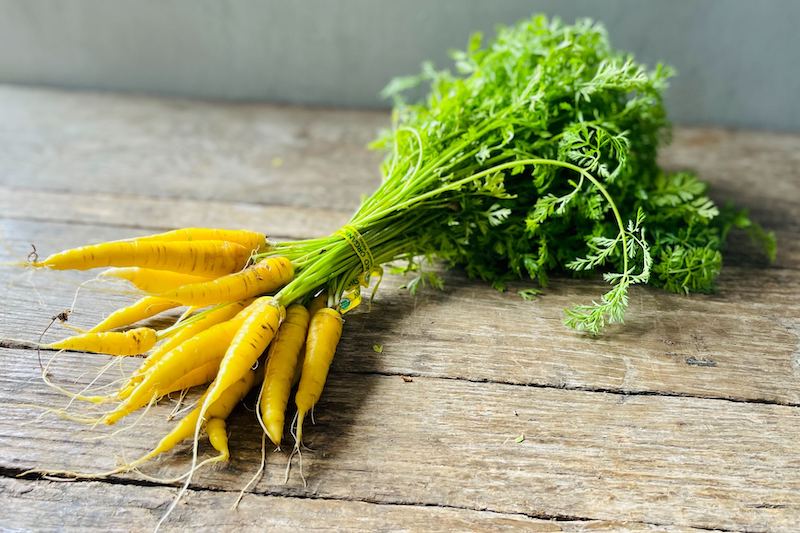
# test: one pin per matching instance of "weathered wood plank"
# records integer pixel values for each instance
(757, 170)
(104, 143)
(749, 351)
(87, 142)
(681, 461)
(97, 506)
(157, 213)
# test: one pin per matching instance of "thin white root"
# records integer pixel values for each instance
(210, 460)
(75, 297)
(81, 394)
(195, 444)
(73, 396)
(70, 327)
(258, 407)
(177, 408)
(124, 428)
(296, 450)
(59, 412)
(288, 468)
(257, 476)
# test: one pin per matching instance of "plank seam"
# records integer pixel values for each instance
(578, 388)
(19, 473)
(25, 345)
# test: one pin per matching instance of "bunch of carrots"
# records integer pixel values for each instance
(538, 155)
(227, 280)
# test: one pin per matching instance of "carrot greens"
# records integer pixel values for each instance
(536, 155)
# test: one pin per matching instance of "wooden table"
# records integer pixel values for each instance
(483, 412)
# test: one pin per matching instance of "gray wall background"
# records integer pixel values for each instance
(738, 60)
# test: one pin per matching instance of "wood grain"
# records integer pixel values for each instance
(283, 155)
(681, 461)
(688, 416)
(160, 213)
(105, 143)
(138, 508)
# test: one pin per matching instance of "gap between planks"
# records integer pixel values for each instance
(334, 473)
(14, 344)
(289, 512)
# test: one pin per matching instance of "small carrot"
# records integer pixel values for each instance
(219, 410)
(252, 240)
(151, 280)
(210, 318)
(201, 375)
(131, 342)
(209, 345)
(324, 333)
(251, 339)
(141, 309)
(319, 302)
(201, 258)
(263, 277)
(217, 432)
(282, 358)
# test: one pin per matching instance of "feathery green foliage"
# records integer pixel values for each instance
(538, 154)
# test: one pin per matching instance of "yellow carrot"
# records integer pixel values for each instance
(263, 277)
(250, 341)
(198, 376)
(219, 410)
(185, 333)
(217, 432)
(131, 342)
(209, 345)
(252, 240)
(324, 333)
(141, 309)
(282, 358)
(201, 258)
(319, 302)
(151, 280)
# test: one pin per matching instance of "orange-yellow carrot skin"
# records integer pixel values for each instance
(219, 410)
(209, 345)
(131, 342)
(151, 280)
(250, 341)
(324, 333)
(143, 308)
(261, 278)
(201, 258)
(319, 302)
(211, 318)
(252, 240)
(198, 376)
(284, 353)
(316, 304)
(217, 432)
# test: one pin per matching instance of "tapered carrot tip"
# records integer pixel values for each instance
(300, 417)
(218, 436)
(275, 431)
(112, 418)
